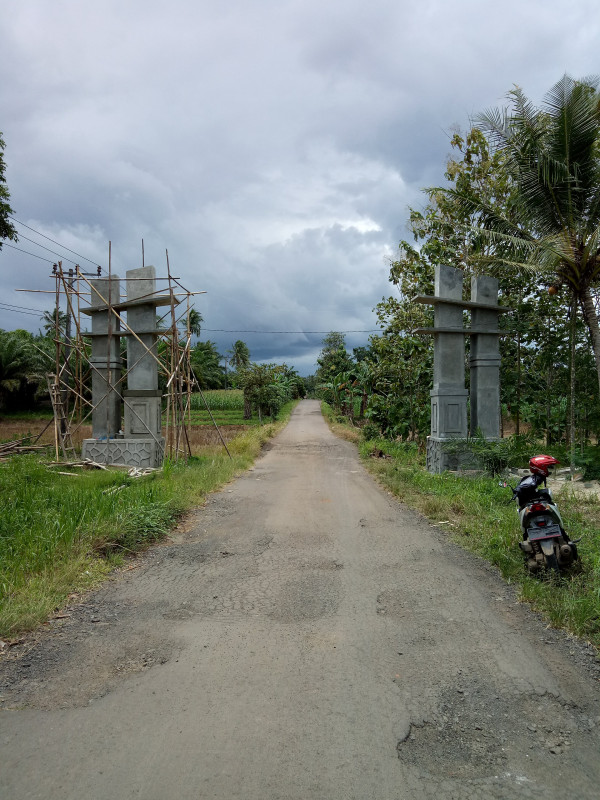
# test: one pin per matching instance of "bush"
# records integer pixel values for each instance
(493, 456)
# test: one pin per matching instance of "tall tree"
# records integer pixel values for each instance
(333, 357)
(21, 369)
(552, 156)
(205, 362)
(195, 322)
(7, 229)
(239, 355)
(49, 323)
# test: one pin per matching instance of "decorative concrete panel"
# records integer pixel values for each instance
(439, 460)
(130, 452)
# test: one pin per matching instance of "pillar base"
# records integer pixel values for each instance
(439, 460)
(126, 452)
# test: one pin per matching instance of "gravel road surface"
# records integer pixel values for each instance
(304, 637)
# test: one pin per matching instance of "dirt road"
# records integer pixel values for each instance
(306, 638)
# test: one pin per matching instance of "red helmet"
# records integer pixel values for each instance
(540, 465)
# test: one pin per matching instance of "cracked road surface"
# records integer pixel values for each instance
(305, 637)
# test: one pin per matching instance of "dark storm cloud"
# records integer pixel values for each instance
(272, 147)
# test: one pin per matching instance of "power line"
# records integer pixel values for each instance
(20, 311)
(37, 244)
(224, 330)
(53, 241)
(25, 308)
(20, 249)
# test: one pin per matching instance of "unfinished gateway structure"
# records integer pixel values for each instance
(139, 442)
(449, 396)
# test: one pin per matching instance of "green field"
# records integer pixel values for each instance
(226, 407)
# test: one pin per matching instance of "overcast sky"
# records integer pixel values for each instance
(272, 146)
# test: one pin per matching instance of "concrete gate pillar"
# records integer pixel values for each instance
(105, 359)
(448, 396)
(485, 358)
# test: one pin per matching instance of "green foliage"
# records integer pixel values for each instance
(219, 400)
(493, 456)
(551, 156)
(453, 229)
(333, 357)
(239, 355)
(205, 361)
(268, 387)
(22, 369)
(226, 408)
(195, 321)
(7, 229)
(49, 320)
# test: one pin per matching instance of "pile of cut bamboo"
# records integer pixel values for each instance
(18, 446)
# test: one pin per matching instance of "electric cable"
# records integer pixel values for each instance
(20, 249)
(43, 246)
(25, 308)
(64, 247)
(224, 330)
(39, 314)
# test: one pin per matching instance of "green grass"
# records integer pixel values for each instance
(61, 534)
(226, 406)
(222, 418)
(476, 515)
(40, 413)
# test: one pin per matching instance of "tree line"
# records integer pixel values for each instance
(26, 358)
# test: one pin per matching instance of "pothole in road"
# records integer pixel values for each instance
(481, 732)
(308, 597)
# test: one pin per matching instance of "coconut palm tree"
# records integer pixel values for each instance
(195, 322)
(49, 320)
(239, 355)
(552, 156)
(20, 367)
(204, 359)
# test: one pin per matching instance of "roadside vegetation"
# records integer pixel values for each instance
(61, 534)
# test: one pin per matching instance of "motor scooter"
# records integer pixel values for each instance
(546, 545)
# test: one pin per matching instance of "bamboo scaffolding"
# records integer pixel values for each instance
(71, 361)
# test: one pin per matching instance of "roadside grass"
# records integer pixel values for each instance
(61, 534)
(340, 425)
(478, 515)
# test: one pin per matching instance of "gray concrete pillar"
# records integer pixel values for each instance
(105, 359)
(485, 359)
(142, 396)
(449, 396)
